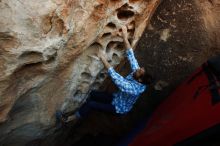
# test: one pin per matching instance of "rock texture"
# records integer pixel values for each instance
(174, 44)
(47, 58)
(210, 14)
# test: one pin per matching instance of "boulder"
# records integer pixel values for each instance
(47, 57)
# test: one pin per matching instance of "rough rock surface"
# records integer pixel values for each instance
(46, 57)
(174, 44)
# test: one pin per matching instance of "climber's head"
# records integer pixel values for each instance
(141, 76)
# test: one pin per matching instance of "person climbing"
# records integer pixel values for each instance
(129, 88)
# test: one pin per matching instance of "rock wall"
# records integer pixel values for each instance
(175, 43)
(47, 61)
(210, 14)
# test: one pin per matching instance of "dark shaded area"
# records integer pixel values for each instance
(111, 25)
(209, 137)
(172, 47)
(125, 14)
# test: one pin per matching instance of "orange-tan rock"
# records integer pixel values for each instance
(47, 50)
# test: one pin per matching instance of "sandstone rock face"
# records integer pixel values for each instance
(211, 11)
(47, 62)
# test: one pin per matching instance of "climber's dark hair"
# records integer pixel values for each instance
(147, 79)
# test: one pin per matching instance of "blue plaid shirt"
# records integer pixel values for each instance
(129, 88)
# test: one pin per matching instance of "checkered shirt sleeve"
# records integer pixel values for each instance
(132, 59)
(123, 84)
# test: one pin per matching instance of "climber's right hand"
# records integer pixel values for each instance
(125, 37)
(124, 32)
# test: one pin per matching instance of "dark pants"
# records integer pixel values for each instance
(98, 100)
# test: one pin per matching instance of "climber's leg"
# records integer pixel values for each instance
(98, 100)
(93, 105)
(100, 96)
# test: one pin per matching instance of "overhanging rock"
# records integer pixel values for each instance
(47, 61)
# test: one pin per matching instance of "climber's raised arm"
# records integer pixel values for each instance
(122, 84)
(125, 37)
(101, 55)
(129, 50)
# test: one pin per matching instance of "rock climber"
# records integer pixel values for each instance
(129, 88)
